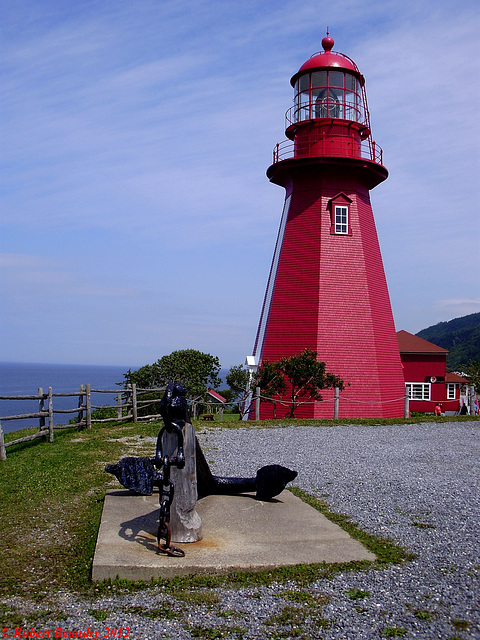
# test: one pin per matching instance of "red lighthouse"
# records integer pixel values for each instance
(327, 289)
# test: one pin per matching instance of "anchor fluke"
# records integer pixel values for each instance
(136, 474)
(272, 480)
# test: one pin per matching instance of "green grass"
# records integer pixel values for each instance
(305, 597)
(215, 633)
(357, 594)
(394, 632)
(294, 620)
(166, 611)
(423, 525)
(421, 614)
(99, 614)
(460, 625)
(52, 499)
(198, 598)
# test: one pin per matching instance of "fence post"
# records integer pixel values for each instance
(471, 397)
(50, 415)
(88, 404)
(257, 403)
(3, 450)
(41, 407)
(119, 405)
(80, 404)
(336, 403)
(134, 402)
(406, 408)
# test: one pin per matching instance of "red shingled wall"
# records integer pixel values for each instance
(331, 295)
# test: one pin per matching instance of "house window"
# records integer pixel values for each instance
(341, 219)
(451, 391)
(418, 390)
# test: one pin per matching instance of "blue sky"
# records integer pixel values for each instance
(136, 217)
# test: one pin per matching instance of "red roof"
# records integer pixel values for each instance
(327, 59)
(454, 377)
(408, 343)
(216, 396)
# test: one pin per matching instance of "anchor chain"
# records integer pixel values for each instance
(166, 486)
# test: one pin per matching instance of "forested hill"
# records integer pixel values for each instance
(461, 336)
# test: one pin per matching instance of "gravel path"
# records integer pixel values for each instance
(416, 484)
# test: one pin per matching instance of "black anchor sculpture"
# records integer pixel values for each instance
(141, 475)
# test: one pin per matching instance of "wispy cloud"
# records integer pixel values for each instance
(459, 306)
(24, 275)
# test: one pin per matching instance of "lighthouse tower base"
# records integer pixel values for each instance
(328, 293)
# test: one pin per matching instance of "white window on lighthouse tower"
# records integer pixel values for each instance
(341, 219)
(340, 215)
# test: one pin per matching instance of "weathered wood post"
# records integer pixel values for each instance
(50, 415)
(185, 523)
(471, 399)
(119, 405)
(406, 409)
(134, 402)
(336, 403)
(3, 450)
(41, 408)
(88, 407)
(80, 405)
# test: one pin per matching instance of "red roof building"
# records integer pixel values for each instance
(426, 377)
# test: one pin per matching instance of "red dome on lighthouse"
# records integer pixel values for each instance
(326, 59)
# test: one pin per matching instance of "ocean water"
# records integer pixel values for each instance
(24, 379)
(20, 379)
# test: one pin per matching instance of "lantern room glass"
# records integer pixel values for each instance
(328, 94)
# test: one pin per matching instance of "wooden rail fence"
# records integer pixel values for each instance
(128, 401)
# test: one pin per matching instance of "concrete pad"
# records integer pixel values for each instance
(239, 533)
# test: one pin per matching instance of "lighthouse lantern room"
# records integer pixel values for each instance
(326, 289)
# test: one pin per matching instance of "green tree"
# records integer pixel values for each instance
(300, 377)
(147, 377)
(195, 370)
(242, 384)
(238, 379)
(271, 381)
(472, 371)
(228, 395)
